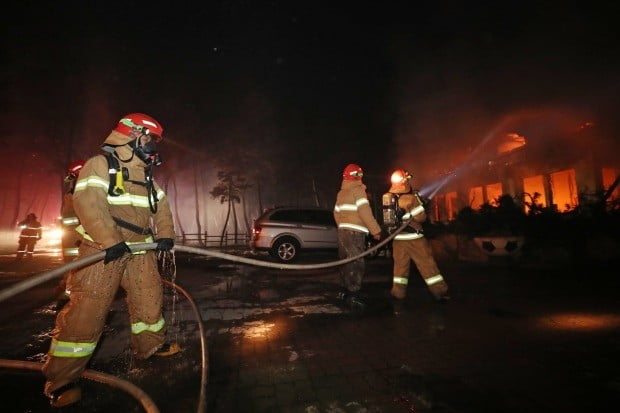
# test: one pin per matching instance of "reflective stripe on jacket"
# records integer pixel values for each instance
(352, 210)
(95, 207)
(412, 204)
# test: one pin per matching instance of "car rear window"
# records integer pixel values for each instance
(287, 215)
(321, 218)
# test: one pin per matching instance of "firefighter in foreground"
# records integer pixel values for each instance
(69, 221)
(115, 200)
(355, 222)
(400, 204)
(28, 237)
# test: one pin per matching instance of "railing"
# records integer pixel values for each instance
(215, 241)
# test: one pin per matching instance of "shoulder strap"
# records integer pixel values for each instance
(116, 187)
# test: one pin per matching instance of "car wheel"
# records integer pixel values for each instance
(285, 249)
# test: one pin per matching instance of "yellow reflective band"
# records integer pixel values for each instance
(433, 280)
(148, 239)
(417, 210)
(80, 230)
(129, 199)
(408, 236)
(71, 349)
(92, 181)
(361, 201)
(345, 207)
(70, 252)
(140, 327)
(160, 194)
(70, 221)
(401, 280)
(354, 227)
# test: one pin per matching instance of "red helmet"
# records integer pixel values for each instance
(352, 172)
(137, 124)
(400, 181)
(74, 170)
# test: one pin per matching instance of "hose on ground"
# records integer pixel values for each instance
(202, 401)
(82, 262)
(147, 403)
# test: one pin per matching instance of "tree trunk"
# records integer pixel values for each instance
(18, 195)
(197, 205)
(45, 206)
(260, 197)
(176, 207)
(225, 224)
(235, 222)
(245, 214)
(317, 201)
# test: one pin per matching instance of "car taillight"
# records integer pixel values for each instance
(256, 230)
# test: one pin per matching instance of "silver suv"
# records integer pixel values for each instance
(284, 231)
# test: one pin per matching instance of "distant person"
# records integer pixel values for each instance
(69, 221)
(410, 243)
(118, 203)
(28, 237)
(355, 222)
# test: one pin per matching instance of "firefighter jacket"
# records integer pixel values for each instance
(31, 230)
(413, 207)
(69, 222)
(352, 210)
(97, 209)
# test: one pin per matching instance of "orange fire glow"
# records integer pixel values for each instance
(580, 321)
(564, 189)
(510, 142)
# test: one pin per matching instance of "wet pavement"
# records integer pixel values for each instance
(512, 339)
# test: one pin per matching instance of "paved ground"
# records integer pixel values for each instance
(512, 339)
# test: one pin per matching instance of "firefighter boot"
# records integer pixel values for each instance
(66, 395)
(355, 302)
(440, 292)
(168, 349)
(399, 291)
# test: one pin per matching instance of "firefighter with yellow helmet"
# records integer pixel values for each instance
(401, 204)
(355, 222)
(116, 200)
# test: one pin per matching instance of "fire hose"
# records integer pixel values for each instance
(140, 395)
(132, 389)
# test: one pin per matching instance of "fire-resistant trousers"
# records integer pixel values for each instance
(420, 252)
(350, 244)
(26, 246)
(81, 321)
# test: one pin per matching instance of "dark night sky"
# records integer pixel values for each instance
(319, 84)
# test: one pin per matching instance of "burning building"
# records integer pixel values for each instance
(551, 168)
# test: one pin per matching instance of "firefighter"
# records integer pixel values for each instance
(69, 221)
(115, 199)
(410, 243)
(28, 237)
(355, 222)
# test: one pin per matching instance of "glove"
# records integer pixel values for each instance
(115, 252)
(384, 234)
(164, 244)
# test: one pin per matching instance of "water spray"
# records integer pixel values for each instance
(429, 191)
